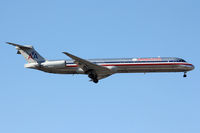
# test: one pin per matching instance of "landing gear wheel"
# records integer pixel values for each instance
(93, 77)
(95, 81)
(185, 75)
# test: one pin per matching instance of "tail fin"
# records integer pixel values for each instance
(29, 53)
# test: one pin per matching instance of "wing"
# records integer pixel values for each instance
(103, 76)
(87, 65)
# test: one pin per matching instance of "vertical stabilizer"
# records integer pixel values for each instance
(29, 53)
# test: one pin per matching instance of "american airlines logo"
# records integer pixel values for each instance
(32, 55)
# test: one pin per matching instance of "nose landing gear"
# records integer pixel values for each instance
(185, 75)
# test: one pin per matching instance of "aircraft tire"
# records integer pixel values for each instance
(185, 75)
(92, 76)
(95, 81)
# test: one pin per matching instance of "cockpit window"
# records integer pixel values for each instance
(181, 60)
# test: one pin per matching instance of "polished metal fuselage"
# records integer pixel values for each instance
(129, 65)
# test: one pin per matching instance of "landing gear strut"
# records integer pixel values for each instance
(185, 75)
(93, 76)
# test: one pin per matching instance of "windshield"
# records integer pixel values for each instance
(181, 60)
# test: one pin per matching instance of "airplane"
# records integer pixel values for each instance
(98, 69)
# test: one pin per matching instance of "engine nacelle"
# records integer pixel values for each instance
(54, 64)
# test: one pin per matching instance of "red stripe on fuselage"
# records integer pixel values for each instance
(138, 64)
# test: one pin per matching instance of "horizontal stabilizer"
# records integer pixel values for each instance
(20, 46)
(18, 52)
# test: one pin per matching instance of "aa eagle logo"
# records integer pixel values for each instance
(32, 55)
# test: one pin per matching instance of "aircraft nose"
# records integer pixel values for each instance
(193, 67)
(190, 67)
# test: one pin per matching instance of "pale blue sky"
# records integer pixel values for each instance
(32, 101)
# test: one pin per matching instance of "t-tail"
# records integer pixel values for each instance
(29, 53)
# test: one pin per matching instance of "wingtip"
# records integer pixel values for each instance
(65, 53)
(8, 43)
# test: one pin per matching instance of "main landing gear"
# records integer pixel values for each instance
(93, 76)
(185, 75)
